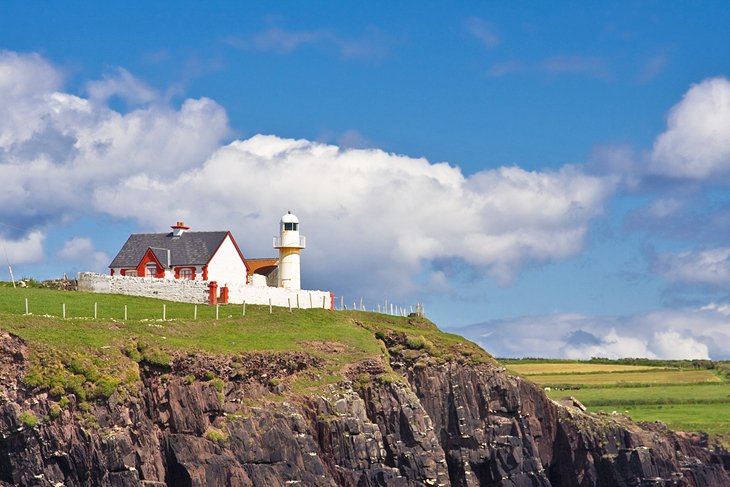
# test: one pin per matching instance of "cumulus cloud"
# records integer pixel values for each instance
(688, 333)
(696, 144)
(26, 250)
(55, 146)
(372, 218)
(382, 214)
(81, 252)
(708, 266)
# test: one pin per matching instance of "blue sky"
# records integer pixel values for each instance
(550, 179)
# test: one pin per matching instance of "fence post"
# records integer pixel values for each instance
(324, 302)
(26, 306)
(361, 308)
(244, 308)
(342, 303)
(164, 312)
(64, 311)
(310, 300)
(270, 310)
(195, 313)
(125, 312)
(297, 300)
(288, 300)
(216, 311)
(95, 310)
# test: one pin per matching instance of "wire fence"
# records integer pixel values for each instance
(203, 311)
(386, 307)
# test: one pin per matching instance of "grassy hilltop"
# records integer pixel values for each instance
(92, 358)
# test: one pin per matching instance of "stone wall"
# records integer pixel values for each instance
(180, 290)
(193, 291)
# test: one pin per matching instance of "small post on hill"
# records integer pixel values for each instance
(64, 310)
(26, 306)
(125, 312)
(342, 302)
(95, 307)
(244, 309)
(216, 311)
(164, 312)
(195, 313)
(270, 309)
(324, 302)
(310, 301)
(297, 300)
(361, 308)
(289, 301)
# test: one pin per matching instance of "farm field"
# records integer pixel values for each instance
(686, 396)
(659, 376)
(573, 368)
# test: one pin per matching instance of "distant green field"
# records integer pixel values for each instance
(573, 368)
(710, 418)
(686, 396)
(703, 393)
(658, 376)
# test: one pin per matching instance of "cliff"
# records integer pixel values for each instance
(409, 416)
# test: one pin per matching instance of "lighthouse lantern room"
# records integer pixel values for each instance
(290, 244)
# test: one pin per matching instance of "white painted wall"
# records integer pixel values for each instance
(180, 290)
(195, 291)
(226, 266)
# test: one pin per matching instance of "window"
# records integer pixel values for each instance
(130, 272)
(186, 273)
(150, 270)
(290, 226)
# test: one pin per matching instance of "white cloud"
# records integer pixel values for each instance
(696, 144)
(709, 266)
(373, 218)
(123, 84)
(26, 250)
(56, 147)
(689, 333)
(375, 213)
(81, 251)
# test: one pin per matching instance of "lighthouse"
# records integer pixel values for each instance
(290, 244)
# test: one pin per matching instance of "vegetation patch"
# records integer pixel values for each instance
(687, 395)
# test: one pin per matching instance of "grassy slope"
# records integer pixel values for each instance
(695, 399)
(93, 358)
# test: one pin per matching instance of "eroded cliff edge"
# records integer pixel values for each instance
(402, 420)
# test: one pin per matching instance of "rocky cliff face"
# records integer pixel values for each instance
(448, 424)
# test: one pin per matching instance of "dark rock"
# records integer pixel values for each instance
(447, 425)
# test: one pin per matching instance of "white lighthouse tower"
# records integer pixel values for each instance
(290, 244)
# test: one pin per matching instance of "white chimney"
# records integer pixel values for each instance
(179, 229)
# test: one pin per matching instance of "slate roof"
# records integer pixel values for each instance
(191, 248)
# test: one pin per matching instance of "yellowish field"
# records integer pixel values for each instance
(661, 376)
(573, 368)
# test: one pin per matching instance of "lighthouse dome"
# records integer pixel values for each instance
(289, 218)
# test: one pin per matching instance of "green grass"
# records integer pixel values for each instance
(660, 376)
(685, 395)
(710, 418)
(703, 393)
(93, 357)
(572, 368)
